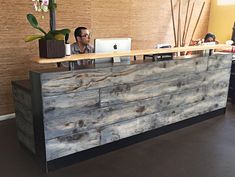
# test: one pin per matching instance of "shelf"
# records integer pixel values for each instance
(129, 53)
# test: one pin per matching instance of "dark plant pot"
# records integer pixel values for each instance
(51, 48)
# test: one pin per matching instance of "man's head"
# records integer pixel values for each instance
(82, 35)
(209, 37)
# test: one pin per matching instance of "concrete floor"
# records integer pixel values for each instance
(206, 149)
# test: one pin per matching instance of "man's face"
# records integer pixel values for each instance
(85, 37)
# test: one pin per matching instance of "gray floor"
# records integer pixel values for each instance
(206, 149)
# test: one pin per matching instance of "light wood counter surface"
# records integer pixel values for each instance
(129, 53)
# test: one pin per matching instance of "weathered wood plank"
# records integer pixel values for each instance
(60, 123)
(24, 118)
(132, 92)
(63, 146)
(24, 126)
(69, 144)
(22, 96)
(132, 99)
(27, 141)
(219, 61)
(73, 103)
(57, 106)
(23, 111)
(69, 82)
(81, 121)
(118, 113)
(135, 126)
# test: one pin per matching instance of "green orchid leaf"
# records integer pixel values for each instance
(62, 31)
(34, 23)
(57, 34)
(59, 37)
(40, 29)
(33, 37)
(32, 20)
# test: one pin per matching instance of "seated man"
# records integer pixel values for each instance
(82, 37)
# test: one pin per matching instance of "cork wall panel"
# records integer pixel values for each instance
(147, 23)
(111, 18)
(73, 13)
(12, 57)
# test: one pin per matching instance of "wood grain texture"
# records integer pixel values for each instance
(22, 111)
(59, 123)
(131, 92)
(77, 142)
(91, 107)
(24, 116)
(27, 141)
(146, 23)
(67, 103)
(83, 120)
(22, 97)
(80, 80)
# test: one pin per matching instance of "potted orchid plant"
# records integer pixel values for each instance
(51, 44)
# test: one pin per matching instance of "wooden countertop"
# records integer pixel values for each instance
(129, 53)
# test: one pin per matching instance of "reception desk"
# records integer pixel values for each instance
(78, 114)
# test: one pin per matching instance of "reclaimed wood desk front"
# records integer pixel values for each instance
(77, 113)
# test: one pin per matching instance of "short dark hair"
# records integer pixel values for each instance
(78, 31)
(208, 35)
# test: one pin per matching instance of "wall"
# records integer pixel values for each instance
(221, 21)
(147, 23)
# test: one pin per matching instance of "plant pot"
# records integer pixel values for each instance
(51, 48)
